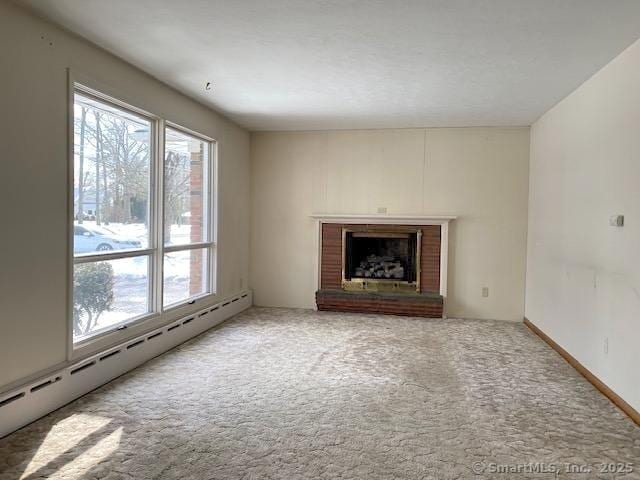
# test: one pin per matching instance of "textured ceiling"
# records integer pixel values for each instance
(334, 64)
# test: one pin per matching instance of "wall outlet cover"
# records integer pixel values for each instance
(616, 220)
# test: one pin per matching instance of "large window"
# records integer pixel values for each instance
(130, 261)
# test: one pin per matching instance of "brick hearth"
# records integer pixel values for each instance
(418, 305)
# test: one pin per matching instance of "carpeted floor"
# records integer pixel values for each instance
(295, 394)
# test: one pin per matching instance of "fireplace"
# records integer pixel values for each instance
(381, 264)
(381, 260)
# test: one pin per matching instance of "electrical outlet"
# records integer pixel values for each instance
(485, 291)
(606, 346)
(382, 209)
(616, 220)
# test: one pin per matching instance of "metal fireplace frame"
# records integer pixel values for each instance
(382, 284)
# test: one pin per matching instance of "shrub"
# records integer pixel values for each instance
(92, 294)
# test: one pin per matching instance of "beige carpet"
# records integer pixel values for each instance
(294, 394)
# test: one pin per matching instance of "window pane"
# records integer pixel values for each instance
(112, 161)
(184, 275)
(185, 185)
(108, 293)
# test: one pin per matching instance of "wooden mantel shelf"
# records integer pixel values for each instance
(384, 219)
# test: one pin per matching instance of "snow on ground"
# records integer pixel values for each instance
(176, 266)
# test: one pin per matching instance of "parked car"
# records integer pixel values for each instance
(99, 239)
(85, 215)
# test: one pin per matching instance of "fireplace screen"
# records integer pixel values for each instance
(381, 260)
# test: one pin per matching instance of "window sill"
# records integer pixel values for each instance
(138, 326)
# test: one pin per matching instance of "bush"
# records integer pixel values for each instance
(92, 294)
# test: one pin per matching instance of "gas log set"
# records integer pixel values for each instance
(376, 266)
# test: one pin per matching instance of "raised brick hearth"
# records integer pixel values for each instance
(426, 302)
(418, 305)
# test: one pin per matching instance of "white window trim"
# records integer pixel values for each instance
(158, 315)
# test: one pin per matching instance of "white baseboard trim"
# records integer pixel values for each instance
(37, 398)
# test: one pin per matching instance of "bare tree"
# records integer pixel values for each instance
(81, 176)
(121, 165)
(98, 159)
(125, 162)
(177, 177)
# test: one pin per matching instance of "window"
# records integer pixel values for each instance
(129, 263)
(187, 207)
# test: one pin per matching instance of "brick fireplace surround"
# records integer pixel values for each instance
(427, 302)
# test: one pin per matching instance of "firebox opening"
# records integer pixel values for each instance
(381, 260)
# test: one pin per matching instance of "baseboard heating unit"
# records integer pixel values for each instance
(31, 401)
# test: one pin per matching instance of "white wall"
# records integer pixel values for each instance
(480, 174)
(33, 181)
(583, 276)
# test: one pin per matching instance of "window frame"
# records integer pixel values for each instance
(157, 314)
(210, 213)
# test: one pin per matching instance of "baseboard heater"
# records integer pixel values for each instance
(31, 401)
